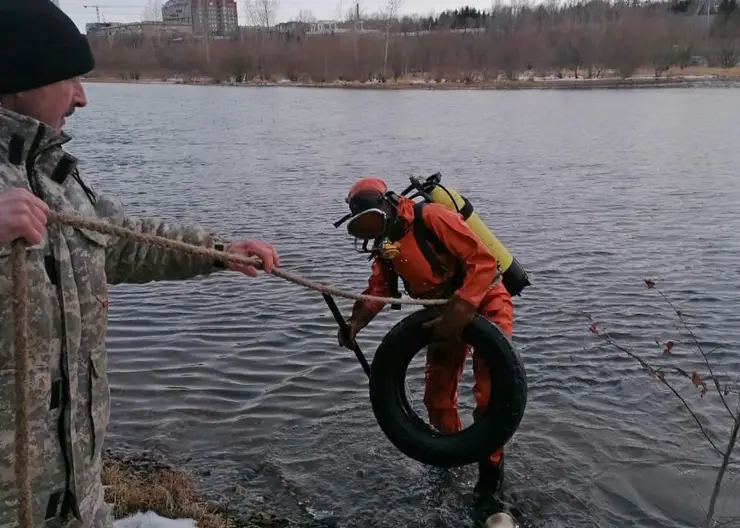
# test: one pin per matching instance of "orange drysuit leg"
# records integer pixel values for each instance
(496, 307)
(440, 392)
(443, 373)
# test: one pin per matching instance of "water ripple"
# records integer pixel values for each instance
(244, 376)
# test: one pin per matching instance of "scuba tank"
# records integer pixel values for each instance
(514, 276)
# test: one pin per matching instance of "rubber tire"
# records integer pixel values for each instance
(415, 437)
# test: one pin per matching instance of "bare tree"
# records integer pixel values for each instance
(261, 12)
(306, 16)
(391, 11)
(355, 12)
(338, 13)
(153, 11)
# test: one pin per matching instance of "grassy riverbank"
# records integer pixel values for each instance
(140, 484)
(642, 79)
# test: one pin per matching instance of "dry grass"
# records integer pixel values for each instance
(144, 484)
(140, 485)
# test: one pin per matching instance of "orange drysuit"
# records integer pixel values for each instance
(443, 373)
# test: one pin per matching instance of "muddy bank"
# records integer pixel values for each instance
(144, 483)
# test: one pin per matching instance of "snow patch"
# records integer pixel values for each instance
(152, 520)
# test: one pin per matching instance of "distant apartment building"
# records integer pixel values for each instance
(218, 16)
(150, 29)
(177, 11)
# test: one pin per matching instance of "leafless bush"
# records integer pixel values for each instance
(466, 45)
(721, 386)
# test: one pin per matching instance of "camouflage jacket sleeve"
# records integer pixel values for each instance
(129, 261)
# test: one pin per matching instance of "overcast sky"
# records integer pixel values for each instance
(131, 10)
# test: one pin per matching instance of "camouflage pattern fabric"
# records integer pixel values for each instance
(68, 277)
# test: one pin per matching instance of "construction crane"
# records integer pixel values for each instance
(98, 6)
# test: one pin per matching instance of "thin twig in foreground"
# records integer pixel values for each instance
(658, 374)
(704, 355)
(698, 382)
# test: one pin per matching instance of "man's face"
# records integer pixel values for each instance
(49, 104)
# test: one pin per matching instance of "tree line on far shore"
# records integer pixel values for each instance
(585, 38)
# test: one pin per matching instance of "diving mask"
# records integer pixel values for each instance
(368, 217)
(369, 221)
(368, 225)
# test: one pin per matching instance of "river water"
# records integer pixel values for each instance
(593, 191)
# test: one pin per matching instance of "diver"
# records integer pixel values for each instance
(436, 255)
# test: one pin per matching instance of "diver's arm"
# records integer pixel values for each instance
(462, 242)
(377, 285)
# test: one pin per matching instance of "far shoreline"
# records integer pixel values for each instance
(704, 77)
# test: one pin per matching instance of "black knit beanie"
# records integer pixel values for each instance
(39, 45)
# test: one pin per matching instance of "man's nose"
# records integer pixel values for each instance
(80, 99)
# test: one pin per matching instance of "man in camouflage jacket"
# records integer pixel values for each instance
(42, 54)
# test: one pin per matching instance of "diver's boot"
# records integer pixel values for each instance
(490, 478)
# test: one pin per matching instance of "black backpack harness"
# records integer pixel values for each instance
(425, 239)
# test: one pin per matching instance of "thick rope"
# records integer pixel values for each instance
(20, 306)
(20, 329)
(158, 241)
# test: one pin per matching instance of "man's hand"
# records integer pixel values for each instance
(253, 248)
(354, 328)
(22, 215)
(359, 319)
(454, 317)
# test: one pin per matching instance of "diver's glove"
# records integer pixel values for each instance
(358, 320)
(454, 316)
(346, 340)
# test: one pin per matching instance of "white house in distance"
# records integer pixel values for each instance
(323, 27)
(328, 27)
